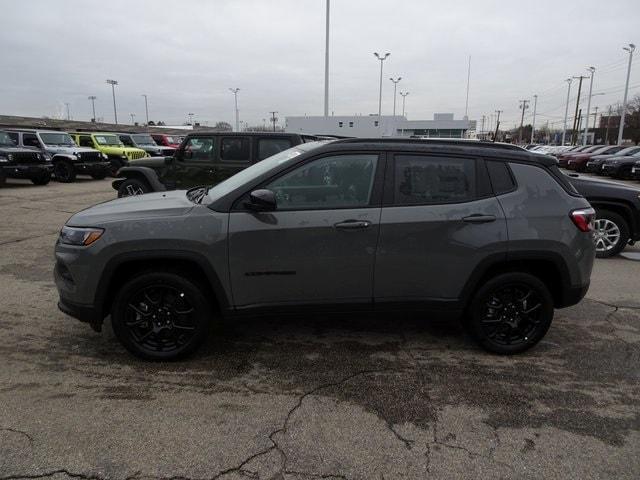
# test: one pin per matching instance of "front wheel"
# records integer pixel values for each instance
(116, 164)
(161, 315)
(611, 233)
(64, 171)
(510, 313)
(42, 179)
(132, 187)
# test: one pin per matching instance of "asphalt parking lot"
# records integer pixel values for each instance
(304, 398)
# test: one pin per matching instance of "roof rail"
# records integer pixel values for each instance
(437, 141)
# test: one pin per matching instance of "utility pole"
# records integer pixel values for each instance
(524, 104)
(566, 109)
(495, 135)
(68, 113)
(326, 66)
(482, 129)
(113, 83)
(274, 119)
(382, 59)
(586, 124)
(235, 96)
(146, 108)
(93, 106)
(608, 121)
(533, 123)
(574, 136)
(629, 49)
(466, 105)
(404, 97)
(395, 84)
(595, 123)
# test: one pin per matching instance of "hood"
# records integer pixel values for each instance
(596, 187)
(9, 149)
(71, 150)
(151, 162)
(150, 205)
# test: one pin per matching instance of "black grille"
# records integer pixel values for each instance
(168, 152)
(90, 156)
(27, 157)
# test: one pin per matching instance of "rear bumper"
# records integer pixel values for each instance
(572, 296)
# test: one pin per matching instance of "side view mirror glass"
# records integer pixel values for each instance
(262, 200)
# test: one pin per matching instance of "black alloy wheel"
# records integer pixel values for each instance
(160, 316)
(511, 313)
(132, 187)
(64, 171)
(42, 179)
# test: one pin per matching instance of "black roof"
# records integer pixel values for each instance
(250, 134)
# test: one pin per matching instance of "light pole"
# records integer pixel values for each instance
(326, 66)
(235, 96)
(533, 122)
(629, 49)
(93, 106)
(382, 59)
(566, 109)
(395, 84)
(495, 137)
(586, 124)
(523, 106)
(404, 97)
(146, 108)
(113, 83)
(68, 114)
(133, 118)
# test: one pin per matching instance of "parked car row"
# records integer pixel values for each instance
(38, 154)
(614, 161)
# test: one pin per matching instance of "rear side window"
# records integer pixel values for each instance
(271, 146)
(501, 179)
(235, 149)
(30, 140)
(423, 180)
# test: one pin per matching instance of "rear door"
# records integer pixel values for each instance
(439, 221)
(234, 154)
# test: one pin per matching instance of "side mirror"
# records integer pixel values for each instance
(261, 201)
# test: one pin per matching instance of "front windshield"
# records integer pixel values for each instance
(62, 139)
(108, 140)
(261, 167)
(143, 140)
(173, 140)
(5, 140)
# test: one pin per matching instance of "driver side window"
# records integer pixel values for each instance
(199, 149)
(342, 181)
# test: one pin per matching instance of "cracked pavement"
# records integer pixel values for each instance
(306, 398)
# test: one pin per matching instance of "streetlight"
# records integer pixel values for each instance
(68, 114)
(133, 118)
(382, 59)
(533, 123)
(566, 110)
(113, 83)
(395, 84)
(235, 96)
(146, 108)
(93, 106)
(586, 125)
(404, 97)
(629, 49)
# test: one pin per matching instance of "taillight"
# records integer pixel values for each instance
(584, 219)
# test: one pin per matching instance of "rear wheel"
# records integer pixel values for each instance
(42, 179)
(64, 171)
(510, 313)
(611, 233)
(161, 315)
(132, 187)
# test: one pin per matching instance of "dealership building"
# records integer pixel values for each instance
(443, 125)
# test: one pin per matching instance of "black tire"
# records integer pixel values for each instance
(610, 227)
(132, 187)
(148, 315)
(99, 175)
(42, 179)
(3, 179)
(116, 164)
(510, 313)
(64, 171)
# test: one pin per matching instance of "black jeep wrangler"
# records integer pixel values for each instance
(22, 163)
(203, 159)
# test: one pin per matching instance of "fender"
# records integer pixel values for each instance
(145, 173)
(63, 156)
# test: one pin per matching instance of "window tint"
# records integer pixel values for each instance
(86, 141)
(235, 149)
(501, 179)
(13, 136)
(271, 146)
(424, 180)
(30, 140)
(331, 182)
(199, 149)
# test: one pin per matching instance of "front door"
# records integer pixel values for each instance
(193, 165)
(318, 246)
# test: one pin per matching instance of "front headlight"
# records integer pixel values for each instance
(80, 236)
(4, 160)
(10, 157)
(78, 154)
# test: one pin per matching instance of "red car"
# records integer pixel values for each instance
(579, 161)
(563, 157)
(166, 140)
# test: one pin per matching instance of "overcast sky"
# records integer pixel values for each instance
(186, 54)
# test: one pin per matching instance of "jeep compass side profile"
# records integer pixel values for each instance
(486, 232)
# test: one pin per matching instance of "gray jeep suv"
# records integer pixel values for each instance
(486, 232)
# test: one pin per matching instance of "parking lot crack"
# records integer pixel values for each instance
(60, 471)
(19, 432)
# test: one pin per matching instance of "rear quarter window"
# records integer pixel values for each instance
(502, 180)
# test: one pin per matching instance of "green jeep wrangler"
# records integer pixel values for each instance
(109, 143)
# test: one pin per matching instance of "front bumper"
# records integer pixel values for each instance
(593, 167)
(635, 172)
(92, 167)
(25, 171)
(84, 313)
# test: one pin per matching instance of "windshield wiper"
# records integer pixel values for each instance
(197, 194)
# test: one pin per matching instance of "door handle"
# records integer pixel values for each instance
(352, 225)
(477, 218)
